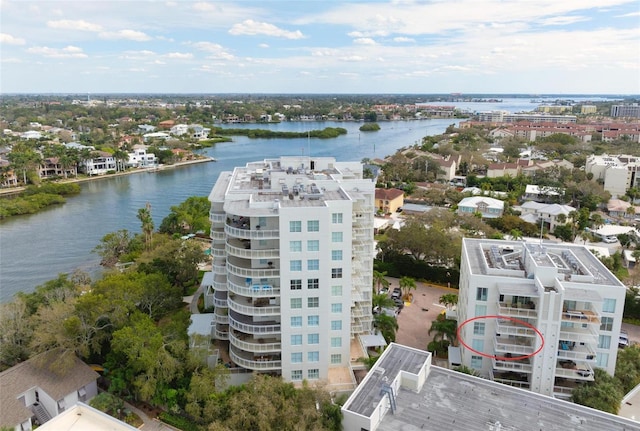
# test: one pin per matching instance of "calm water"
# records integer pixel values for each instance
(36, 248)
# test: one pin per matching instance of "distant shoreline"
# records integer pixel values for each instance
(159, 168)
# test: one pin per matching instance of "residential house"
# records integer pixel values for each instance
(148, 137)
(166, 124)
(31, 134)
(100, 164)
(179, 129)
(550, 214)
(620, 208)
(33, 391)
(139, 158)
(8, 178)
(85, 418)
(496, 170)
(487, 207)
(388, 201)
(52, 168)
(543, 194)
(146, 128)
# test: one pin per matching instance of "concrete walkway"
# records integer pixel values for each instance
(149, 423)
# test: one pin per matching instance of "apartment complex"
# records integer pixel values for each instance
(507, 117)
(630, 110)
(292, 250)
(619, 173)
(553, 314)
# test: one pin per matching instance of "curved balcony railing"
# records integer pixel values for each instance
(220, 302)
(257, 364)
(217, 235)
(219, 286)
(221, 335)
(224, 320)
(252, 273)
(252, 344)
(255, 290)
(249, 310)
(248, 253)
(251, 233)
(522, 331)
(273, 328)
(215, 217)
(218, 252)
(219, 269)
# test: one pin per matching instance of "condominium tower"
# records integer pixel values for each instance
(292, 250)
(553, 314)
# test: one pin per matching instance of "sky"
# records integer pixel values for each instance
(314, 46)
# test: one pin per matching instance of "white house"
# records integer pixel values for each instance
(179, 129)
(533, 212)
(31, 134)
(488, 207)
(139, 158)
(155, 135)
(100, 165)
(146, 128)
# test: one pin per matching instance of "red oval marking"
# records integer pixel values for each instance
(501, 358)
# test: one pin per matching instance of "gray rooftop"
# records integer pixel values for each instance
(452, 401)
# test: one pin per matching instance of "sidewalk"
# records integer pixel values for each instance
(149, 423)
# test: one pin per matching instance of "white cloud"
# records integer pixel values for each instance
(67, 52)
(364, 41)
(68, 24)
(403, 39)
(217, 51)
(250, 27)
(628, 15)
(263, 45)
(564, 20)
(10, 40)
(10, 60)
(179, 55)
(135, 35)
(353, 58)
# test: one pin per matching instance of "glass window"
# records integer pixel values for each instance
(313, 264)
(295, 265)
(481, 310)
(296, 321)
(313, 356)
(295, 226)
(478, 328)
(336, 272)
(296, 284)
(336, 290)
(262, 221)
(602, 360)
(336, 254)
(336, 307)
(336, 236)
(313, 338)
(336, 325)
(336, 218)
(606, 323)
(296, 357)
(478, 345)
(604, 341)
(296, 340)
(336, 342)
(313, 283)
(476, 362)
(609, 305)
(296, 375)
(313, 302)
(295, 246)
(481, 294)
(313, 373)
(313, 245)
(336, 358)
(313, 225)
(313, 320)
(296, 302)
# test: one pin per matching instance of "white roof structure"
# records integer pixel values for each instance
(201, 324)
(475, 200)
(614, 229)
(82, 417)
(537, 190)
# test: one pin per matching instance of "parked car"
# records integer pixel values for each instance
(384, 290)
(623, 341)
(610, 239)
(397, 293)
(399, 302)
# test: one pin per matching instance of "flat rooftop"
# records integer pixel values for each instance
(82, 417)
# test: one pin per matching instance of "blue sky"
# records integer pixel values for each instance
(313, 46)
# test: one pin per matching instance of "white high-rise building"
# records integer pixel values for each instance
(292, 249)
(553, 314)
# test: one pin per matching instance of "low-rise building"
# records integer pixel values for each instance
(487, 207)
(389, 200)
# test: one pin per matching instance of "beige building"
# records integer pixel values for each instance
(389, 200)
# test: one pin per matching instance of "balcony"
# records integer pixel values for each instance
(249, 288)
(217, 235)
(578, 334)
(242, 248)
(569, 369)
(242, 268)
(255, 362)
(507, 327)
(216, 217)
(242, 230)
(511, 378)
(251, 344)
(259, 307)
(576, 352)
(219, 268)
(219, 302)
(515, 346)
(581, 316)
(521, 366)
(246, 324)
(221, 334)
(522, 311)
(222, 319)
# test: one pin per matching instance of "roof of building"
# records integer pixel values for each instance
(37, 372)
(537, 190)
(82, 417)
(475, 200)
(388, 194)
(201, 324)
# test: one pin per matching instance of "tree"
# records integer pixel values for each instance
(382, 300)
(407, 284)
(387, 325)
(379, 279)
(192, 215)
(144, 215)
(628, 367)
(604, 393)
(15, 333)
(448, 300)
(114, 245)
(444, 329)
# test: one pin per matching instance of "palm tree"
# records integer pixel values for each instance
(382, 300)
(444, 329)
(407, 284)
(387, 325)
(144, 215)
(121, 158)
(379, 280)
(448, 300)
(597, 221)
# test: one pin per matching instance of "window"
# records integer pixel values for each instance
(336, 308)
(602, 360)
(313, 339)
(336, 358)
(295, 265)
(607, 324)
(336, 325)
(296, 302)
(296, 340)
(313, 373)
(478, 328)
(313, 283)
(336, 290)
(313, 356)
(336, 218)
(296, 375)
(295, 246)
(313, 245)
(476, 362)
(313, 226)
(295, 226)
(481, 310)
(477, 345)
(481, 294)
(262, 221)
(313, 264)
(296, 321)
(313, 302)
(313, 320)
(336, 236)
(604, 341)
(609, 305)
(295, 284)
(296, 357)
(336, 342)
(336, 254)
(336, 272)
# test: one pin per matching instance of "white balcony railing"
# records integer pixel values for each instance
(580, 371)
(216, 217)
(249, 310)
(258, 364)
(254, 290)
(221, 335)
(248, 253)
(217, 235)
(507, 310)
(516, 330)
(224, 320)
(254, 345)
(220, 302)
(251, 272)
(254, 329)
(511, 366)
(507, 345)
(219, 286)
(251, 233)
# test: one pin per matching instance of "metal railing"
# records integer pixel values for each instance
(252, 254)
(251, 233)
(252, 273)
(267, 310)
(255, 365)
(505, 309)
(254, 345)
(254, 329)
(511, 366)
(255, 290)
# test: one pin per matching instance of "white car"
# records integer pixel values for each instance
(623, 341)
(609, 239)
